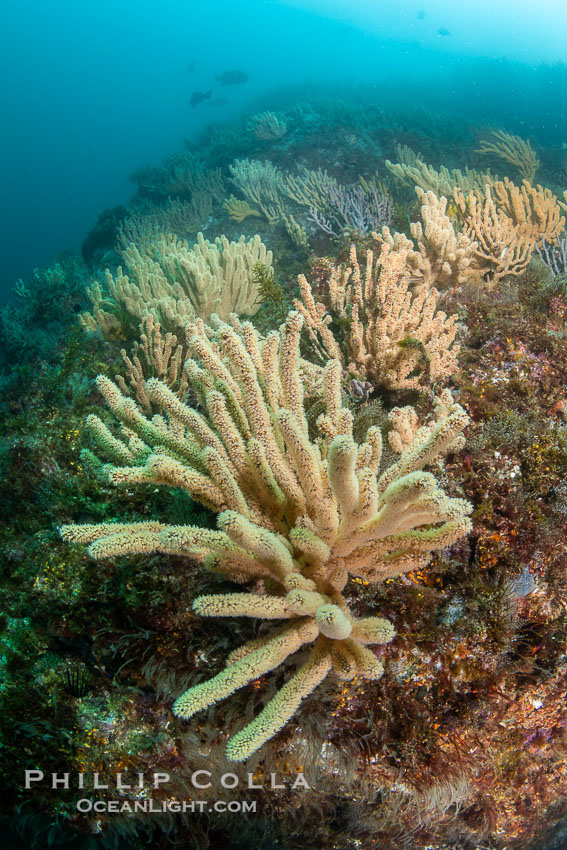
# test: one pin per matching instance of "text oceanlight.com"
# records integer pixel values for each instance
(160, 806)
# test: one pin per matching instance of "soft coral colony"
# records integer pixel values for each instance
(301, 510)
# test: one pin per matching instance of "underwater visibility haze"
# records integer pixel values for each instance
(283, 367)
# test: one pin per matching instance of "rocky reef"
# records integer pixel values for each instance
(315, 539)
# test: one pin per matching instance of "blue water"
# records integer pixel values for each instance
(93, 90)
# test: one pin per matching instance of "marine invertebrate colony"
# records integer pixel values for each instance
(355, 207)
(502, 225)
(181, 218)
(261, 183)
(154, 356)
(444, 257)
(267, 126)
(507, 222)
(299, 515)
(396, 338)
(412, 171)
(176, 283)
(513, 149)
(336, 208)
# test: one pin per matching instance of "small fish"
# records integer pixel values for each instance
(199, 97)
(443, 31)
(420, 15)
(191, 67)
(232, 78)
